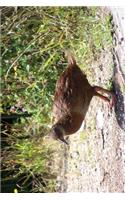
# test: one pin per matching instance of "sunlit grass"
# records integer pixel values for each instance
(34, 39)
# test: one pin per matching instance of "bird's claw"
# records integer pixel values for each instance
(112, 101)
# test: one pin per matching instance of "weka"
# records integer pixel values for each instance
(73, 94)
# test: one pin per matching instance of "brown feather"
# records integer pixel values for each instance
(73, 94)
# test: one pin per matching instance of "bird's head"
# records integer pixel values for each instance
(57, 133)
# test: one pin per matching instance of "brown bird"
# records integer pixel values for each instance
(73, 94)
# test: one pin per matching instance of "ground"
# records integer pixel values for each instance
(95, 158)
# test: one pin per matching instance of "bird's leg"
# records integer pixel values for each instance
(102, 97)
(100, 89)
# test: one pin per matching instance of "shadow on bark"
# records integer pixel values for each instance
(120, 100)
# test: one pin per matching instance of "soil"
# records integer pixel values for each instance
(95, 158)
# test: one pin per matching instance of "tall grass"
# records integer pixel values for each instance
(33, 40)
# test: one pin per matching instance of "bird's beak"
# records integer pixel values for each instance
(63, 140)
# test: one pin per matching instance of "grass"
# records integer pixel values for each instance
(33, 40)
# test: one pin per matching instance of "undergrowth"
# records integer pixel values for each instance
(33, 42)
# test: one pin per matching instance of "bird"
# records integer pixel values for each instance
(73, 94)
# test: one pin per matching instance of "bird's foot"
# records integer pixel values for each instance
(112, 100)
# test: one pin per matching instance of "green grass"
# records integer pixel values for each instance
(33, 40)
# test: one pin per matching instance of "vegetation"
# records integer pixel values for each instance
(33, 41)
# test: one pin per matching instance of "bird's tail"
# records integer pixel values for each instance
(70, 57)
